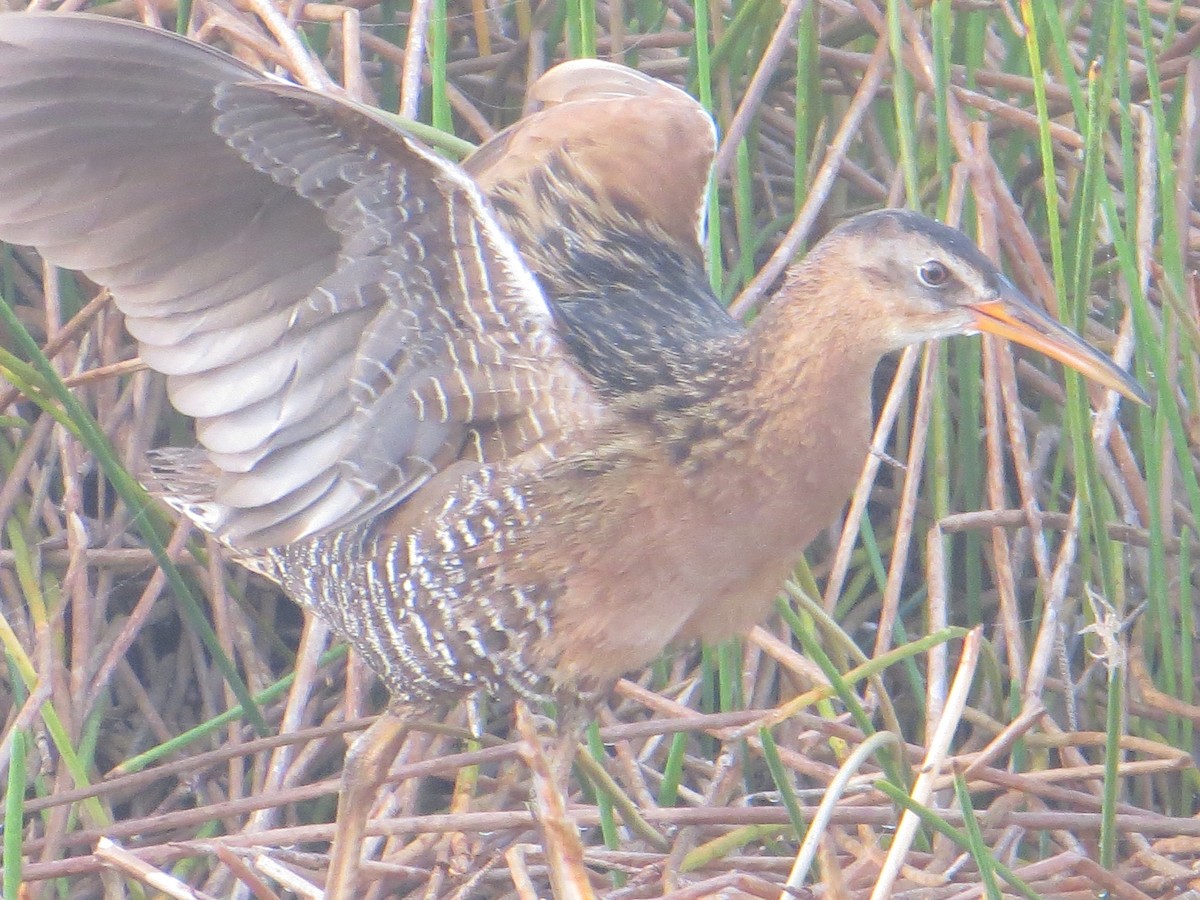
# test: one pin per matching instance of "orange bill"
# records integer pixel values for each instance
(1014, 318)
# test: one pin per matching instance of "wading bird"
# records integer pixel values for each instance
(489, 421)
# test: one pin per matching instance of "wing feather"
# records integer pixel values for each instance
(334, 303)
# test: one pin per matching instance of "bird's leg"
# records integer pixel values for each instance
(564, 851)
(366, 766)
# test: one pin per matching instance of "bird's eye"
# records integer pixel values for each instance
(933, 273)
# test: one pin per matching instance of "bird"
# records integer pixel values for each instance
(488, 420)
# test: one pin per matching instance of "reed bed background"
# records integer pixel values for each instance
(981, 685)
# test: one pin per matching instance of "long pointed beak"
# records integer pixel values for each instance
(1014, 318)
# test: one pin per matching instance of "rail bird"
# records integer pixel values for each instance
(489, 421)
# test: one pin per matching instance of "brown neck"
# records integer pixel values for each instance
(816, 318)
(807, 409)
(814, 364)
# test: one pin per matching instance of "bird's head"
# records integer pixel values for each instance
(915, 280)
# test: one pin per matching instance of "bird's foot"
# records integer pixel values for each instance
(564, 851)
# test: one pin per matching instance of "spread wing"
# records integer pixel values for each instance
(609, 148)
(604, 189)
(334, 304)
